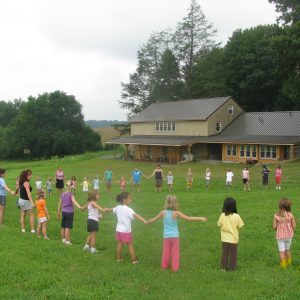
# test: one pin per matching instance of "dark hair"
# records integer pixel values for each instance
(285, 204)
(23, 176)
(121, 197)
(2, 171)
(92, 196)
(229, 206)
(73, 178)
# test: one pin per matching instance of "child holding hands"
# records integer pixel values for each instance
(42, 214)
(284, 223)
(123, 231)
(93, 221)
(171, 234)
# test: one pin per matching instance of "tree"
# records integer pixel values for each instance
(168, 85)
(209, 77)
(193, 37)
(289, 9)
(8, 111)
(250, 67)
(51, 124)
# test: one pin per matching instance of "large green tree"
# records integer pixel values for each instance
(289, 10)
(51, 124)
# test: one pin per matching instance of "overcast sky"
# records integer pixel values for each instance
(86, 47)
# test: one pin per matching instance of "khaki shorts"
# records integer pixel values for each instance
(25, 204)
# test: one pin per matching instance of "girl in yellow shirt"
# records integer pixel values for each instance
(230, 223)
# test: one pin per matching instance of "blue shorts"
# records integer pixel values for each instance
(136, 181)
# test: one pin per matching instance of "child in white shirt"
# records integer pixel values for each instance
(229, 176)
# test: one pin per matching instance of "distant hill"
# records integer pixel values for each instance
(102, 123)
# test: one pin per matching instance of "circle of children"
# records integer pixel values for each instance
(229, 222)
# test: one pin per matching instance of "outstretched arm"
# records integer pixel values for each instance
(274, 223)
(136, 216)
(187, 218)
(75, 202)
(293, 222)
(9, 190)
(95, 205)
(157, 217)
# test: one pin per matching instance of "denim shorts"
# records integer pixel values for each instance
(2, 200)
(284, 244)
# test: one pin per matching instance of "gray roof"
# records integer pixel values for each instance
(197, 109)
(165, 140)
(281, 123)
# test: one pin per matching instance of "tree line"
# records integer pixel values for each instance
(259, 66)
(44, 126)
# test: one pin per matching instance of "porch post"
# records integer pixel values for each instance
(140, 152)
(189, 150)
(126, 155)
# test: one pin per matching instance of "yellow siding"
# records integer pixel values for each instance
(221, 115)
(183, 128)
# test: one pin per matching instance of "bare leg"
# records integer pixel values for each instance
(88, 240)
(38, 230)
(67, 234)
(119, 250)
(93, 239)
(31, 219)
(131, 251)
(44, 229)
(22, 219)
(63, 236)
(2, 210)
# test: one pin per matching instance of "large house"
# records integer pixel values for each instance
(211, 129)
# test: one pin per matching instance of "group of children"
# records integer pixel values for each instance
(229, 222)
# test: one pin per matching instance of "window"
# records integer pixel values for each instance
(230, 110)
(218, 126)
(268, 152)
(242, 151)
(165, 126)
(248, 150)
(254, 151)
(231, 150)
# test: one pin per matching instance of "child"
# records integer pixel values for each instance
(189, 179)
(230, 222)
(265, 176)
(96, 183)
(278, 173)
(229, 176)
(136, 179)
(38, 184)
(170, 179)
(284, 223)
(42, 214)
(123, 184)
(108, 177)
(171, 234)
(93, 221)
(207, 178)
(49, 186)
(246, 178)
(66, 212)
(73, 185)
(85, 185)
(123, 231)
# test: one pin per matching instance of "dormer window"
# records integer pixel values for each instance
(230, 110)
(218, 126)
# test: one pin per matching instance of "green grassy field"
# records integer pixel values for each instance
(33, 268)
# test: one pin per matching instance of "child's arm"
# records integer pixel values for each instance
(84, 207)
(293, 222)
(187, 218)
(59, 209)
(47, 213)
(136, 216)
(157, 217)
(274, 223)
(75, 202)
(95, 205)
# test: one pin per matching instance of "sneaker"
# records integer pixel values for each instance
(23, 230)
(94, 251)
(119, 259)
(63, 241)
(68, 243)
(32, 231)
(86, 248)
(46, 238)
(134, 262)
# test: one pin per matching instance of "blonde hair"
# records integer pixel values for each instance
(285, 205)
(41, 194)
(68, 185)
(171, 202)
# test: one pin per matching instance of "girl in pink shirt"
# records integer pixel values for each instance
(284, 223)
(278, 173)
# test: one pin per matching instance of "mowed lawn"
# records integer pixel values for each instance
(34, 268)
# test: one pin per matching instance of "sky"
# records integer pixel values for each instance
(87, 47)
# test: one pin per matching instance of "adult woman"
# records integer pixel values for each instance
(59, 177)
(25, 201)
(158, 176)
(3, 190)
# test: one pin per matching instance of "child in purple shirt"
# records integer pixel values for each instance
(66, 212)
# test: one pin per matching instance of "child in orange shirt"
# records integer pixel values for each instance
(42, 214)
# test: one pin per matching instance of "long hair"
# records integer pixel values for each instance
(2, 171)
(23, 176)
(122, 196)
(229, 206)
(171, 202)
(92, 196)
